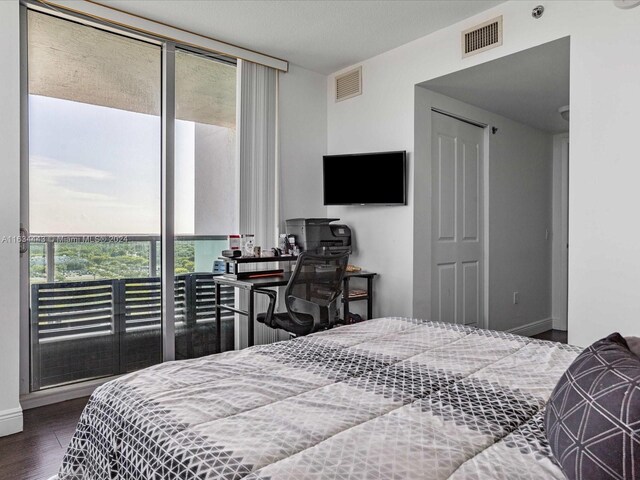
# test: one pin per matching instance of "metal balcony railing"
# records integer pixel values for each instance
(50, 240)
(101, 318)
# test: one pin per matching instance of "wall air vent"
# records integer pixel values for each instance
(349, 84)
(482, 37)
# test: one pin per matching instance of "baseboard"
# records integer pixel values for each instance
(63, 393)
(10, 421)
(533, 328)
(559, 324)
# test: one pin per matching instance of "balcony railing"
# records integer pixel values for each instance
(86, 329)
(108, 327)
(152, 243)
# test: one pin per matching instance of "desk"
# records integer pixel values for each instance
(347, 298)
(250, 284)
(232, 265)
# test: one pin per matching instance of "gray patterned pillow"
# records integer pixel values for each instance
(634, 344)
(592, 419)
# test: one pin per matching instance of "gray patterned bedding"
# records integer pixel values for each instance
(391, 398)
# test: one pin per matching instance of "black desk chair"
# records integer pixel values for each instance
(311, 295)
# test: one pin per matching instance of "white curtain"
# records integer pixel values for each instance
(258, 161)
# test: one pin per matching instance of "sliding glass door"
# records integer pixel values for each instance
(205, 197)
(95, 188)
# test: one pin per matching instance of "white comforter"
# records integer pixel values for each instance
(391, 398)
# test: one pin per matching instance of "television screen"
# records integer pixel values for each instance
(365, 179)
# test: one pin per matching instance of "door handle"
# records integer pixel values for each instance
(24, 241)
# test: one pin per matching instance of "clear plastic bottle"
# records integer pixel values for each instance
(248, 242)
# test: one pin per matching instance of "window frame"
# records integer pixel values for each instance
(167, 186)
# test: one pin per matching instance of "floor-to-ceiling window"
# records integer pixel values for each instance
(95, 186)
(205, 191)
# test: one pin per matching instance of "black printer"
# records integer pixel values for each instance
(318, 235)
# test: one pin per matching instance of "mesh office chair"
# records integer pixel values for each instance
(310, 296)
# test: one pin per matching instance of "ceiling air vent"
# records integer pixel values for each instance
(482, 37)
(349, 84)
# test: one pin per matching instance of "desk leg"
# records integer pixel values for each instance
(370, 299)
(250, 332)
(345, 296)
(218, 320)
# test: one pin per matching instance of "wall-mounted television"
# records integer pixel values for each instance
(378, 178)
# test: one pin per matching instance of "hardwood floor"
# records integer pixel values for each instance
(553, 335)
(36, 453)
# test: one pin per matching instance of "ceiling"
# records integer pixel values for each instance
(528, 86)
(324, 36)
(74, 62)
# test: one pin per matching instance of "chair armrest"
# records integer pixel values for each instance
(273, 296)
(270, 293)
(300, 305)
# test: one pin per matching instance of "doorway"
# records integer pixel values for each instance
(522, 198)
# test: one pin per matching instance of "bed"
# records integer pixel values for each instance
(390, 398)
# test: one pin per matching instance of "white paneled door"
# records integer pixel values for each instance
(457, 221)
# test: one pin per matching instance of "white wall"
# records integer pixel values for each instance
(303, 142)
(518, 181)
(10, 411)
(560, 230)
(520, 215)
(604, 265)
(379, 121)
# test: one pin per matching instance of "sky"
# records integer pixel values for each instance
(96, 169)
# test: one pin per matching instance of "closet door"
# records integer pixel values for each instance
(457, 221)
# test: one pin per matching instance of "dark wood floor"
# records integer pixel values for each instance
(36, 453)
(553, 335)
